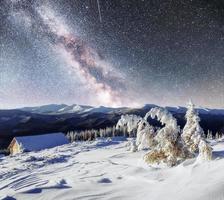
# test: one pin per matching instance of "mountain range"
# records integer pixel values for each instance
(75, 108)
(64, 118)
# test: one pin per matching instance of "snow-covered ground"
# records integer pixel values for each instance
(104, 169)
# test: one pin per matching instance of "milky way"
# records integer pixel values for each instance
(111, 53)
(82, 59)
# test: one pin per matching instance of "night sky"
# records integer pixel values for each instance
(117, 53)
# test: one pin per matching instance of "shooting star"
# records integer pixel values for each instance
(99, 10)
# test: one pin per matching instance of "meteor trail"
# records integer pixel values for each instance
(99, 10)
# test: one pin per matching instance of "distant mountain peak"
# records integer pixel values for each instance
(79, 109)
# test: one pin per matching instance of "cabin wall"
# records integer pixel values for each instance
(15, 148)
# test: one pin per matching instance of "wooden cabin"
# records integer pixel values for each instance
(36, 142)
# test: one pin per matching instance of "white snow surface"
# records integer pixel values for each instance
(104, 169)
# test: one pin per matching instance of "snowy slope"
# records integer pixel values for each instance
(74, 109)
(45, 108)
(106, 170)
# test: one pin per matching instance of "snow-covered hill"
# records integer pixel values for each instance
(104, 169)
(51, 108)
(79, 109)
(63, 109)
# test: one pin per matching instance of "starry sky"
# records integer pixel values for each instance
(112, 53)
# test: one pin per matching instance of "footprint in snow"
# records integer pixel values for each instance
(8, 198)
(34, 191)
(62, 182)
(104, 180)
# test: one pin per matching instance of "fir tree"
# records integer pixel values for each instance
(205, 151)
(192, 132)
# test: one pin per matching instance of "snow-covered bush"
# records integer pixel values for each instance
(133, 146)
(205, 151)
(192, 132)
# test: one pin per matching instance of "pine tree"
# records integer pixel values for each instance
(205, 151)
(217, 136)
(209, 135)
(72, 136)
(114, 131)
(192, 132)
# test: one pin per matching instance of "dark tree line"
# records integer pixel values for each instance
(92, 134)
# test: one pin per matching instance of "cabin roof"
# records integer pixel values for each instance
(39, 142)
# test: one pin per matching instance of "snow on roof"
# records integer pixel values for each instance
(39, 142)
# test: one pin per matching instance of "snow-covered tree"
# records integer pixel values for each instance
(130, 122)
(145, 135)
(75, 135)
(192, 132)
(102, 132)
(124, 131)
(209, 135)
(95, 134)
(166, 144)
(108, 131)
(114, 131)
(169, 148)
(136, 125)
(217, 136)
(205, 151)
